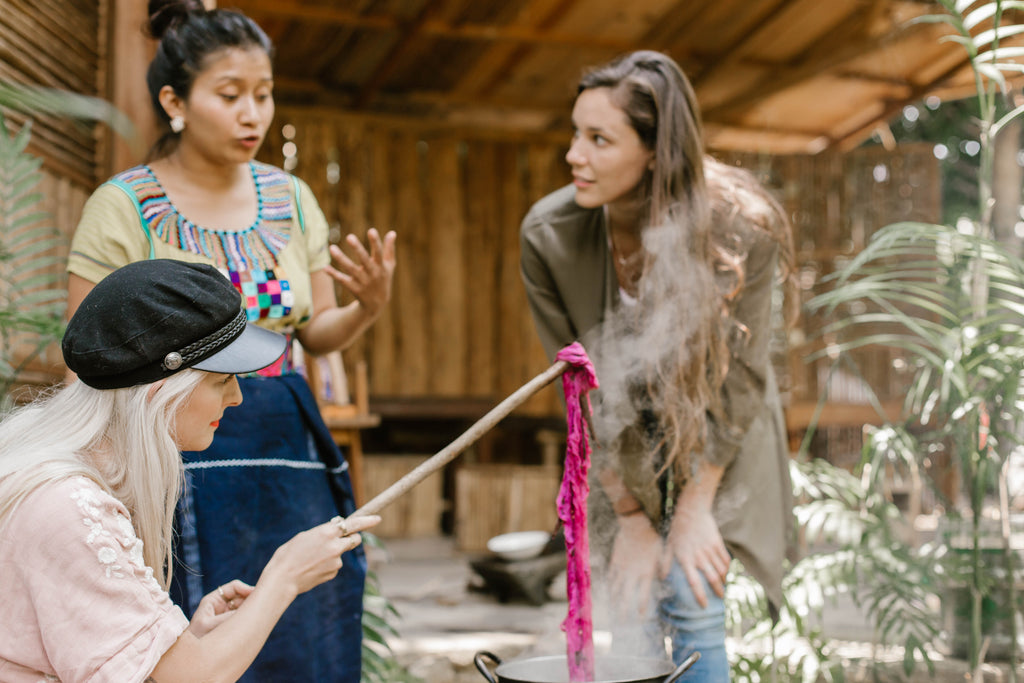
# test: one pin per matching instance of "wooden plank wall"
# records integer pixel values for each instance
(458, 326)
(62, 202)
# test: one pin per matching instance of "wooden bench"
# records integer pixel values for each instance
(800, 415)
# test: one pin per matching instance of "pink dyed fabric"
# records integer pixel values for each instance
(577, 381)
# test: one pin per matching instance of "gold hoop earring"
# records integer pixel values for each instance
(178, 124)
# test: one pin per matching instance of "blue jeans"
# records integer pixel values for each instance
(674, 613)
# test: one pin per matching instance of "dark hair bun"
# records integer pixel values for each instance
(163, 14)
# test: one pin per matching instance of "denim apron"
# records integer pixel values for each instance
(272, 471)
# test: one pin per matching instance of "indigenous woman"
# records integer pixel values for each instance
(273, 468)
(89, 478)
(662, 262)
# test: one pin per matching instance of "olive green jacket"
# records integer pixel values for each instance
(571, 285)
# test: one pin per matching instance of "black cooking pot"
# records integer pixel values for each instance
(607, 669)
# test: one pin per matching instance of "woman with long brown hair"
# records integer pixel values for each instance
(663, 262)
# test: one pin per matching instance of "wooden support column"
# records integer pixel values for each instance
(129, 50)
(127, 56)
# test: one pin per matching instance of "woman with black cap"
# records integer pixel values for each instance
(90, 476)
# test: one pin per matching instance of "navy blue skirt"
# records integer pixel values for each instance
(272, 471)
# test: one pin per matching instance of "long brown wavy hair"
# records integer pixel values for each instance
(693, 264)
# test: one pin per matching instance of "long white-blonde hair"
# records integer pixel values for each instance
(123, 439)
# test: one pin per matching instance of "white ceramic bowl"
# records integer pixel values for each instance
(519, 545)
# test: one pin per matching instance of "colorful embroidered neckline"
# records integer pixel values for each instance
(255, 248)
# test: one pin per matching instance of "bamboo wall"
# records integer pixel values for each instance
(459, 325)
(58, 45)
(62, 46)
(62, 200)
(836, 202)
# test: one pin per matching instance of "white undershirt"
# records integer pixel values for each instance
(625, 297)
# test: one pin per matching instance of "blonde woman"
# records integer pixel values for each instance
(273, 467)
(89, 480)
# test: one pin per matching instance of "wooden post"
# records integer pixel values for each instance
(128, 53)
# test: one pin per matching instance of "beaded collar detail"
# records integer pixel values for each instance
(254, 248)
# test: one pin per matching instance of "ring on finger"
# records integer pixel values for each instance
(341, 525)
(220, 592)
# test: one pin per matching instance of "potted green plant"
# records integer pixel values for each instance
(858, 554)
(951, 297)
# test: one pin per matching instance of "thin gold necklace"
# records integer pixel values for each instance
(616, 252)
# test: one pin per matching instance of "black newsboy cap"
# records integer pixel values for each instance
(151, 319)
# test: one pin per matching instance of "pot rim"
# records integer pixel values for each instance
(659, 668)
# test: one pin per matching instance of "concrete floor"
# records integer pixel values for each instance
(446, 619)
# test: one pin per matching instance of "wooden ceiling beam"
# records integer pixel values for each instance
(734, 53)
(530, 126)
(851, 75)
(853, 138)
(298, 11)
(823, 56)
(520, 34)
(435, 28)
(290, 92)
(410, 33)
(499, 59)
(717, 127)
(669, 27)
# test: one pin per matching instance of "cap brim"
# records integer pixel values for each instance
(252, 350)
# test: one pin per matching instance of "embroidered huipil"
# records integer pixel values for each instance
(131, 218)
(77, 602)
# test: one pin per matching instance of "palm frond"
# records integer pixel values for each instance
(34, 99)
(32, 295)
(379, 664)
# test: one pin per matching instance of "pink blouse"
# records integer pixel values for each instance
(77, 603)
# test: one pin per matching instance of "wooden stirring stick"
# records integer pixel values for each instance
(449, 453)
